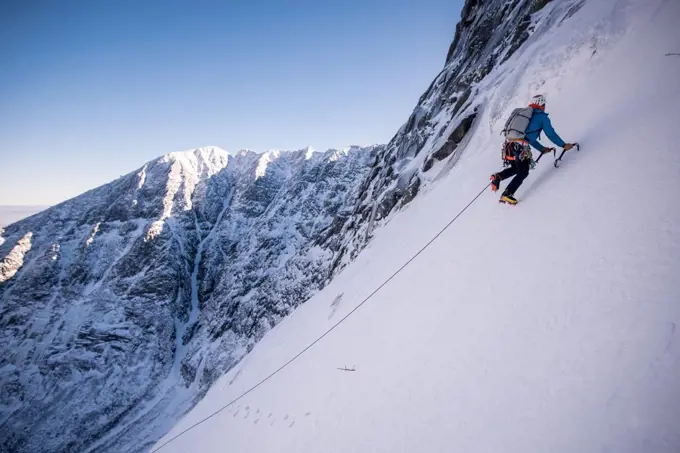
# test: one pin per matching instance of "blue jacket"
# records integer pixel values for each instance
(540, 122)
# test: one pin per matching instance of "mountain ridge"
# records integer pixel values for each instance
(145, 290)
(125, 287)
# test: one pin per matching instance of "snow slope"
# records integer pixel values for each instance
(551, 326)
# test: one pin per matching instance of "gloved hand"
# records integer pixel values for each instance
(548, 150)
(568, 146)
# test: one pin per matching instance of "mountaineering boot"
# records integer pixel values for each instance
(495, 182)
(507, 198)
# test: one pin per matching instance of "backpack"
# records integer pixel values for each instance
(516, 125)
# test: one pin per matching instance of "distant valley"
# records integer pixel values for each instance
(11, 214)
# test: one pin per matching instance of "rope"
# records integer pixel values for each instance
(309, 346)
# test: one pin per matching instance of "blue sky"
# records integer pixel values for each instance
(91, 90)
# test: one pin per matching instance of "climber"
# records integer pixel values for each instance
(522, 129)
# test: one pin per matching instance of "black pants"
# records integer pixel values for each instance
(520, 170)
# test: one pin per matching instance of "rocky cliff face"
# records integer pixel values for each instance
(121, 306)
(435, 135)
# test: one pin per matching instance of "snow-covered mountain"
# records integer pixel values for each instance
(120, 307)
(547, 327)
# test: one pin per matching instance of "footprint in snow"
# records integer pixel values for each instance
(670, 334)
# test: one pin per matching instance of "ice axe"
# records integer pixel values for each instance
(539, 157)
(559, 159)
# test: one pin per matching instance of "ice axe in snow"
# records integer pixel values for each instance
(559, 159)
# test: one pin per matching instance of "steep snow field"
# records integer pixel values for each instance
(547, 327)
